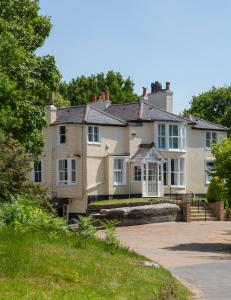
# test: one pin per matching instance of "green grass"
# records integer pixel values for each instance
(33, 266)
(121, 201)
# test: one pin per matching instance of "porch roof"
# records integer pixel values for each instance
(144, 152)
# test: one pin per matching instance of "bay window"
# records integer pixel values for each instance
(119, 171)
(171, 136)
(66, 171)
(177, 171)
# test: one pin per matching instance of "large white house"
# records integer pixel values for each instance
(103, 150)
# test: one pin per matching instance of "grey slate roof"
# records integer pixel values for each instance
(120, 114)
(206, 125)
(86, 114)
(141, 111)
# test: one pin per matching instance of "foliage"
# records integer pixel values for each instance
(14, 168)
(35, 267)
(79, 90)
(60, 101)
(215, 190)
(213, 105)
(222, 166)
(25, 78)
(86, 228)
(110, 240)
(23, 213)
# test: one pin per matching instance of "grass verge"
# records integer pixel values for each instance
(38, 266)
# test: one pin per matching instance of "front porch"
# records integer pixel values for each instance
(146, 170)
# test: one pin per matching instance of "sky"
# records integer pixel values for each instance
(186, 42)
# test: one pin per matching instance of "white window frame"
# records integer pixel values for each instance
(59, 135)
(93, 135)
(123, 182)
(181, 136)
(211, 132)
(137, 174)
(178, 172)
(161, 136)
(33, 172)
(70, 171)
(207, 180)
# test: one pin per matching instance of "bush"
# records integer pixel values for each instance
(23, 213)
(215, 190)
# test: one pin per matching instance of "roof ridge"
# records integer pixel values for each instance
(206, 121)
(161, 109)
(128, 103)
(103, 112)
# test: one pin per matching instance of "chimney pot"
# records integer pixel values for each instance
(152, 87)
(102, 96)
(93, 98)
(145, 91)
(159, 86)
(167, 86)
(107, 96)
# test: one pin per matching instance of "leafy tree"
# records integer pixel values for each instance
(215, 190)
(213, 105)
(26, 79)
(14, 168)
(222, 166)
(79, 90)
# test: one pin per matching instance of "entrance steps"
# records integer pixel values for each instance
(202, 215)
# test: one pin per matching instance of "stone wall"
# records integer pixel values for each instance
(218, 209)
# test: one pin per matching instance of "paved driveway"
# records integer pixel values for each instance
(198, 253)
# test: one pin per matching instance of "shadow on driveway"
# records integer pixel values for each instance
(202, 247)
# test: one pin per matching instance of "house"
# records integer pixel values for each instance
(103, 150)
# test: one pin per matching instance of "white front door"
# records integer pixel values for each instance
(150, 179)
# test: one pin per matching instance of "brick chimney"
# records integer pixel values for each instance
(102, 95)
(103, 102)
(93, 98)
(145, 91)
(107, 96)
(167, 86)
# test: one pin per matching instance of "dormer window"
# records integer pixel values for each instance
(93, 135)
(62, 135)
(211, 138)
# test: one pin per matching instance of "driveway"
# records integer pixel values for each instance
(198, 253)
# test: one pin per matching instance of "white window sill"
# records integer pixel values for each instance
(94, 143)
(173, 150)
(175, 186)
(65, 184)
(119, 184)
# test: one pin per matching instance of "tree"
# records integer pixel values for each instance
(14, 168)
(213, 105)
(222, 166)
(79, 90)
(26, 79)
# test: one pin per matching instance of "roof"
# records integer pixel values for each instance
(144, 150)
(86, 114)
(206, 125)
(141, 111)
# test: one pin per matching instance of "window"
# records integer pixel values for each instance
(37, 171)
(211, 138)
(93, 134)
(62, 135)
(137, 173)
(161, 136)
(165, 173)
(177, 172)
(67, 171)
(119, 171)
(208, 169)
(171, 136)
(65, 212)
(144, 172)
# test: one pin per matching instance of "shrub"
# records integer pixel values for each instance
(86, 228)
(23, 213)
(110, 240)
(215, 190)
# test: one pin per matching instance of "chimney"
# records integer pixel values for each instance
(159, 87)
(145, 93)
(102, 96)
(107, 96)
(93, 98)
(152, 87)
(167, 86)
(51, 113)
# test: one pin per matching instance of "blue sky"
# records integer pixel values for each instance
(186, 42)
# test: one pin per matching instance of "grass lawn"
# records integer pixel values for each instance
(34, 266)
(119, 201)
